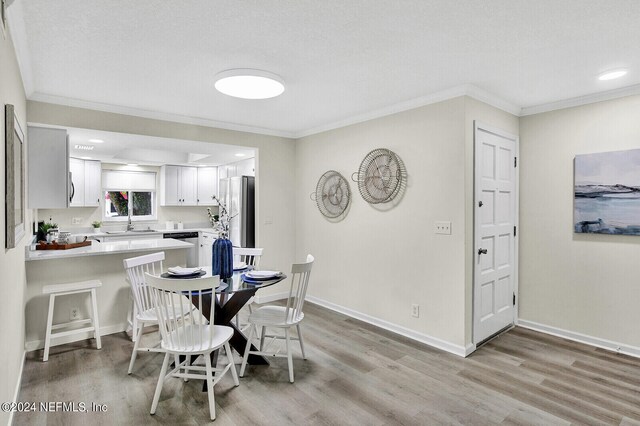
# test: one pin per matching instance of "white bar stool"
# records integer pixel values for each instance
(54, 290)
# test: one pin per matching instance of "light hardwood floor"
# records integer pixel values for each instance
(356, 374)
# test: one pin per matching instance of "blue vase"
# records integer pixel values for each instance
(222, 258)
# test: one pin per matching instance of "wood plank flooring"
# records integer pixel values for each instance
(355, 374)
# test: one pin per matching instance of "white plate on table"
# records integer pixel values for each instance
(239, 266)
(179, 271)
(263, 275)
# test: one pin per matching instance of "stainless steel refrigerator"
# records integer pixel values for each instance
(238, 194)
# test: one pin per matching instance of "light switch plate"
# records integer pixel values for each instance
(443, 228)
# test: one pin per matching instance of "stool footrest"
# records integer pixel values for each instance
(70, 332)
(67, 324)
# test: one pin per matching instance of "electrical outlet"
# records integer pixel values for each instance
(74, 314)
(76, 221)
(415, 310)
(443, 228)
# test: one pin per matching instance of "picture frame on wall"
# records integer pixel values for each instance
(14, 179)
(3, 18)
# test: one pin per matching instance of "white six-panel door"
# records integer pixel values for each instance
(495, 235)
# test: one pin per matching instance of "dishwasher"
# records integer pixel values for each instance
(189, 237)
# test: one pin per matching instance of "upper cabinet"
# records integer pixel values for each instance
(207, 186)
(85, 183)
(188, 186)
(178, 186)
(48, 159)
(239, 168)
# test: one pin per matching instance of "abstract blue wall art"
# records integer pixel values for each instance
(607, 193)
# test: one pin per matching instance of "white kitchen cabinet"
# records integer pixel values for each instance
(76, 167)
(178, 186)
(205, 249)
(85, 183)
(92, 183)
(246, 167)
(207, 186)
(48, 160)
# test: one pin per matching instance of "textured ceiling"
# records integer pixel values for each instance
(339, 59)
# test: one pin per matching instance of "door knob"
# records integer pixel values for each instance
(482, 251)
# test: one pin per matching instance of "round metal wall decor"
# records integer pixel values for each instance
(381, 176)
(332, 194)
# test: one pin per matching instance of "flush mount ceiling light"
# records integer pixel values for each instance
(610, 75)
(84, 147)
(249, 84)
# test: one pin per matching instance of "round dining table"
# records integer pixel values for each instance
(232, 294)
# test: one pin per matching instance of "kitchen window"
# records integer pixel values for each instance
(128, 193)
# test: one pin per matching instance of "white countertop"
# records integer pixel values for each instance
(138, 233)
(105, 248)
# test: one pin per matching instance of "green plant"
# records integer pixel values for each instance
(96, 224)
(45, 227)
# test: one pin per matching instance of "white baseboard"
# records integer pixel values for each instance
(39, 344)
(403, 331)
(271, 297)
(581, 338)
(18, 383)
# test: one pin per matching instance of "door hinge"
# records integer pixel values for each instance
(514, 230)
(515, 161)
(514, 299)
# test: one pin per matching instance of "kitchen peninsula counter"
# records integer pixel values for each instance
(101, 261)
(107, 248)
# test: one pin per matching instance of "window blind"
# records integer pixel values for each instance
(123, 180)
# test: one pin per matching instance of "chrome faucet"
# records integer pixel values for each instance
(129, 224)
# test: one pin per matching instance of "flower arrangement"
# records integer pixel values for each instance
(220, 222)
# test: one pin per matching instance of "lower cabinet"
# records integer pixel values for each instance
(205, 249)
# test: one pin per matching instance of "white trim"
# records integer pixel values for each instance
(469, 349)
(155, 115)
(62, 340)
(582, 100)
(18, 383)
(464, 90)
(271, 297)
(617, 347)
(394, 328)
(18, 31)
(454, 92)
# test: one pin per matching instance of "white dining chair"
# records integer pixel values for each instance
(281, 317)
(144, 312)
(197, 337)
(250, 256)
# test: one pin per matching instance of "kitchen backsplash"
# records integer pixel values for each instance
(64, 217)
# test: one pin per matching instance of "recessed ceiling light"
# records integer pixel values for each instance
(240, 154)
(85, 158)
(610, 75)
(96, 141)
(132, 164)
(84, 147)
(249, 84)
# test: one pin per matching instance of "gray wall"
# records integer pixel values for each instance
(583, 283)
(13, 283)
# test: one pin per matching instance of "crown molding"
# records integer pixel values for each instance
(18, 31)
(582, 100)
(454, 92)
(155, 115)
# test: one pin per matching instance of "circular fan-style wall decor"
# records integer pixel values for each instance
(381, 176)
(332, 194)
